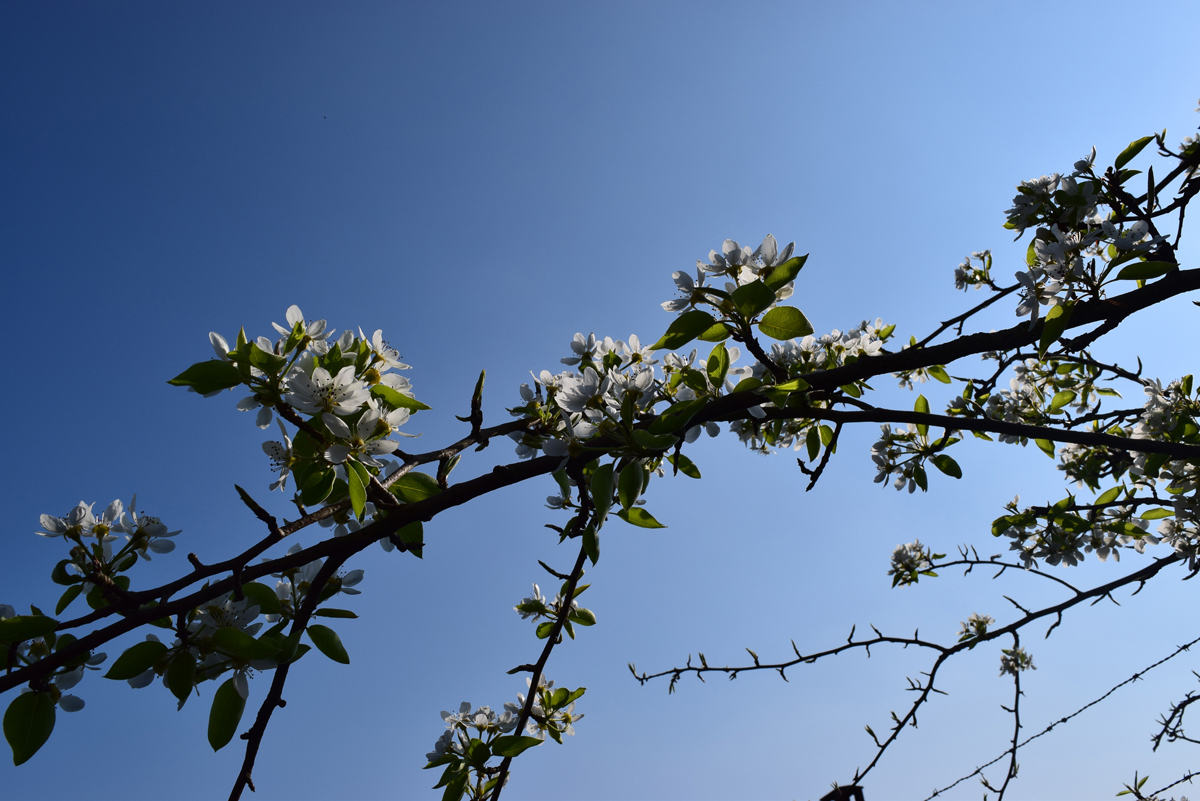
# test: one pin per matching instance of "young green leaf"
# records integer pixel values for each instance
(70, 595)
(415, 486)
(686, 327)
(629, 484)
(317, 486)
(718, 365)
(225, 715)
(26, 627)
(639, 517)
(397, 399)
(1061, 399)
(240, 644)
(684, 465)
(1145, 270)
(263, 596)
(591, 544)
(181, 675)
(602, 491)
(329, 643)
(921, 407)
(947, 465)
(512, 745)
(28, 723)
(785, 273)
(785, 322)
(752, 298)
(717, 333)
(359, 480)
(1127, 155)
(210, 376)
(1054, 326)
(136, 660)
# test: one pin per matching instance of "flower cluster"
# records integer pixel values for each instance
(974, 627)
(345, 384)
(1014, 661)
(968, 275)
(910, 561)
(64, 678)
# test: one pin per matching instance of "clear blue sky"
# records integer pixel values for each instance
(482, 181)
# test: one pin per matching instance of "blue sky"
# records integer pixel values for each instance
(482, 181)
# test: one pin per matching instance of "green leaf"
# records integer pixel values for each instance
(785, 322)
(263, 596)
(397, 399)
(1157, 514)
(1046, 445)
(329, 643)
(686, 327)
(921, 407)
(1061, 399)
(544, 629)
(240, 644)
(1055, 323)
(718, 365)
(813, 441)
(752, 298)
(591, 544)
(920, 478)
(1145, 270)
(225, 715)
(60, 575)
(938, 373)
(267, 362)
(512, 745)
(675, 417)
(414, 532)
(343, 613)
(359, 480)
(790, 386)
(181, 675)
(67, 597)
(583, 617)
(601, 486)
(136, 660)
(650, 442)
(1128, 154)
(210, 376)
(317, 486)
(629, 484)
(747, 384)
(947, 465)
(28, 724)
(639, 517)
(415, 486)
(1125, 175)
(1110, 495)
(685, 465)
(26, 627)
(717, 333)
(785, 273)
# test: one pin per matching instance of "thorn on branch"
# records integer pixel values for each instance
(258, 511)
(195, 560)
(551, 570)
(475, 418)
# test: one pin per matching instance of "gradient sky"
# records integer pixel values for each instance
(482, 181)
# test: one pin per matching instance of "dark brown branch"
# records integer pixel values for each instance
(1093, 439)
(274, 697)
(552, 640)
(339, 548)
(962, 318)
